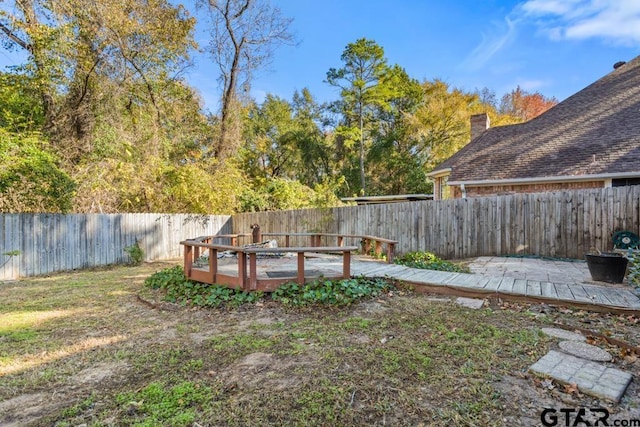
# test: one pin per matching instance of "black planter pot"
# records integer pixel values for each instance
(607, 267)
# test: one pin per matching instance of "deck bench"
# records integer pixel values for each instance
(249, 281)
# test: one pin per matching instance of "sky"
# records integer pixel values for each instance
(555, 47)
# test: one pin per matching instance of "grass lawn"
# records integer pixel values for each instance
(84, 348)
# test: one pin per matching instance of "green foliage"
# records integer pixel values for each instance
(21, 109)
(361, 80)
(30, 179)
(283, 194)
(12, 253)
(428, 261)
(333, 292)
(284, 140)
(163, 404)
(633, 275)
(80, 407)
(178, 289)
(135, 252)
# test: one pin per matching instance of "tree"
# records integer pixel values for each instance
(524, 105)
(30, 177)
(283, 140)
(84, 56)
(440, 125)
(359, 81)
(244, 34)
(270, 150)
(395, 166)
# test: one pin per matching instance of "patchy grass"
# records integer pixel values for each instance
(81, 348)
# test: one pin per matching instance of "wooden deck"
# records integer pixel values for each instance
(247, 255)
(585, 296)
(602, 298)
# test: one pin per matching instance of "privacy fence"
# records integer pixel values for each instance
(562, 224)
(45, 243)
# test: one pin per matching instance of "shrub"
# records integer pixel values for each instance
(633, 277)
(428, 261)
(30, 177)
(135, 253)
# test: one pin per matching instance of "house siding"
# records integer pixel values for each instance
(500, 190)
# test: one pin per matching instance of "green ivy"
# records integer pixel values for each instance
(429, 261)
(334, 292)
(178, 289)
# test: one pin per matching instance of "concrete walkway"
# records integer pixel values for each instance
(543, 270)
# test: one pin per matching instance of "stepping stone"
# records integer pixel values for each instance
(564, 334)
(591, 378)
(586, 351)
(473, 303)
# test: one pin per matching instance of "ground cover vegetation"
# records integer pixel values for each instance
(429, 261)
(102, 348)
(100, 117)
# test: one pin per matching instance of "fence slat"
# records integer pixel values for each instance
(55, 242)
(562, 224)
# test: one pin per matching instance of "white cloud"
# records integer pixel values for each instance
(616, 21)
(491, 45)
(541, 7)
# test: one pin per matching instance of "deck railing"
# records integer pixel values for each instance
(370, 245)
(247, 256)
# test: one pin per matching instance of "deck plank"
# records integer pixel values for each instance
(507, 284)
(472, 281)
(631, 299)
(615, 298)
(564, 292)
(519, 287)
(482, 283)
(579, 293)
(534, 288)
(599, 295)
(549, 290)
(494, 283)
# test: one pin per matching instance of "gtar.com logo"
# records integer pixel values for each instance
(571, 417)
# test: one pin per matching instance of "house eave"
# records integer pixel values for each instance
(439, 173)
(545, 179)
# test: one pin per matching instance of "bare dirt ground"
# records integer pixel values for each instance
(400, 359)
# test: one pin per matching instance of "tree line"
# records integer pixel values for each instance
(100, 117)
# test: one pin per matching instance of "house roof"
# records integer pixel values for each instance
(593, 132)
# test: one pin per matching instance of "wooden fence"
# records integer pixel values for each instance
(49, 243)
(561, 224)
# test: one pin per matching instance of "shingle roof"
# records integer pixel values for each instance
(595, 131)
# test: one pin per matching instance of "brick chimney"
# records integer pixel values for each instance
(479, 123)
